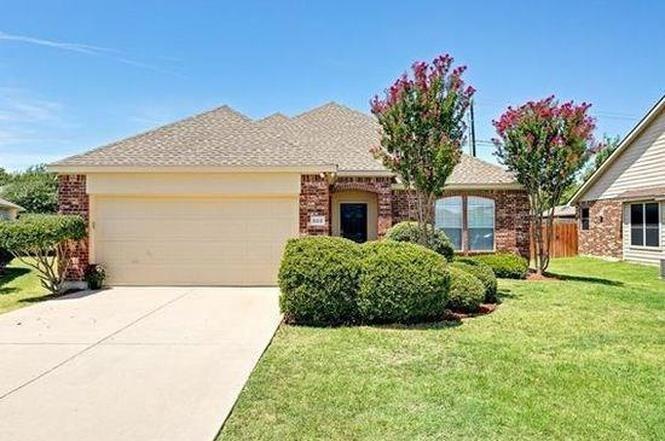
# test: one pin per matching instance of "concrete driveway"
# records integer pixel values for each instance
(131, 363)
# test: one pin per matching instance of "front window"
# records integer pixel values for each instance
(645, 225)
(448, 217)
(585, 218)
(480, 215)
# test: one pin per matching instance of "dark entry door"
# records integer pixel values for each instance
(353, 221)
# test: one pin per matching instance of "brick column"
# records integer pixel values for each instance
(314, 201)
(73, 199)
(385, 201)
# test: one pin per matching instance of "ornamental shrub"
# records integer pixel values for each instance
(505, 265)
(318, 278)
(483, 272)
(466, 291)
(38, 240)
(401, 282)
(410, 232)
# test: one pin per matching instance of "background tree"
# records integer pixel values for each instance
(40, 241)
(422, 117)
(4, 176)
(545, 144)
(34, 189)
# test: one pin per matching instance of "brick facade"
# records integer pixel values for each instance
(73, 199)
(604, 237)
(314, 201)
(382, 186)
(511, 216)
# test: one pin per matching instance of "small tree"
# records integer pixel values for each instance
(422, 116)
(40, 241)
(545, 144)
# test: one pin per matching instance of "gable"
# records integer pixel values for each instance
(637, 164)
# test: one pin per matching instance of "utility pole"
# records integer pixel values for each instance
(473, 131)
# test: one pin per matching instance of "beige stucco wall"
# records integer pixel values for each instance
(363, 197)
(194, 184)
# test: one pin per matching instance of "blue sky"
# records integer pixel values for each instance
(75, 75)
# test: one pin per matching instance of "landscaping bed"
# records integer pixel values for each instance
(579, 357)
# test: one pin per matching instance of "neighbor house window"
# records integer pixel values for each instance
(585, 218)
(448, 217)
(645, 224)
(480, 218)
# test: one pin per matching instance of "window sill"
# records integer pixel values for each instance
(645, 248)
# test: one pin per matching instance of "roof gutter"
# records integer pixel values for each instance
(483, 186)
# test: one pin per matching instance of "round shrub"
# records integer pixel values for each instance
(411, 232)
(401, 282)
(318, 279)
(466, 291)
(483, 272)
(506, 265)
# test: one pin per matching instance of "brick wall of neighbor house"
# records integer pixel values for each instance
(604, 236)
(511, 217)
(73, 199)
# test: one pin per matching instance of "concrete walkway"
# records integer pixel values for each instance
(131, 363)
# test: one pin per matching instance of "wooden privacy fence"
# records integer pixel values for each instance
(564, 240)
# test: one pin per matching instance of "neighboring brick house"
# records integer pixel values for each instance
(621, 207)
(212, 199)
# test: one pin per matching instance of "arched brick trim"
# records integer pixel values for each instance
(382, 186)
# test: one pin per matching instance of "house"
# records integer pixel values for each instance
(621, 207)
(9, 210)
(211, 200)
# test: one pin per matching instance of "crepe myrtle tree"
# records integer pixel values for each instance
(40, 241)
(422, 117)
(545, 144)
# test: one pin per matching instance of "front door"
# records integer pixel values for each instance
(353, 222)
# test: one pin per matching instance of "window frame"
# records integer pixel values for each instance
(465, 244)
(461, 215)
(468, 228)
(644, 245)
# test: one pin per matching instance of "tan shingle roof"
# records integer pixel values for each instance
(327, 135)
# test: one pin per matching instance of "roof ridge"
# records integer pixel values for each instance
(162, 127)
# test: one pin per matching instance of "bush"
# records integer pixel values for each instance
(36, 239)
(410, 232)
(505, 265)
(483, 272)
(401, 283)
(318, 278)
(466, 291)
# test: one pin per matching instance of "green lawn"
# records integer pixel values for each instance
(582, 358)
(19, 286)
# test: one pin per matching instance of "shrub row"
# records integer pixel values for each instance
(483, 272)
(411, 232)
(329, 280)
(505, 265)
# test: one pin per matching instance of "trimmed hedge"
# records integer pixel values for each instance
(401, 282)
(318, 278)
(505, 265)
(410, 232)
(483, 272)
(466, 291)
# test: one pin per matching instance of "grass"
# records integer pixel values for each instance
(19, 286)
(582, 357)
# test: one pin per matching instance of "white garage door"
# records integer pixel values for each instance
(192, 241)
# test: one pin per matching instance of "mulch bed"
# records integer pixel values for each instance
(484, 309)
